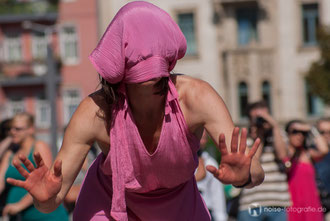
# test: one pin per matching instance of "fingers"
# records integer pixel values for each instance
(222, 145)
(27, 163)
(20, 169)
(234, 140)
(58, 168)
(38, 159)
(254, 148)
(242, 144)
(14, 182)
(213, 170)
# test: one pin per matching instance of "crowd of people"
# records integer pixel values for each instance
(151, 128)
(295, 159)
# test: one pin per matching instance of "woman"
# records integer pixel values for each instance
(19, 201)
(306, 204)
(148, 125)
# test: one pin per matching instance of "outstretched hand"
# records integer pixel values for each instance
(41, 182)
(235, 165)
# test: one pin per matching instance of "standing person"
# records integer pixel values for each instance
(323, 166)
(210, 188)
(273, 194)
(148, 124)
(19, 203)
(306, 202)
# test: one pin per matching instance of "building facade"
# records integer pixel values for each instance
(27, 28)
(266, 48)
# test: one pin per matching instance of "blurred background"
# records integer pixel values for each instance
(276, 50)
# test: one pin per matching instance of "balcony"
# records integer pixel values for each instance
(25, 73)
(13, 11)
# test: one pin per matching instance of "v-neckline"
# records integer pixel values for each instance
(139, 135)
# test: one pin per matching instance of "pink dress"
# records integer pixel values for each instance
(141, 43)
(306, 204)
(131, 184)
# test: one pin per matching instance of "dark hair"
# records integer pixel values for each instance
(256, 105)
(289, 124)
(109, 91)
(4, 128)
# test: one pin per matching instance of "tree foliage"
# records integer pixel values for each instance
(318, 76)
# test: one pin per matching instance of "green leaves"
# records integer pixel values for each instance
(318, 76)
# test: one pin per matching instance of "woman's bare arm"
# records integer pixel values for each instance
(78, 138)
(48, 187)
(4, 144)
(208, 108)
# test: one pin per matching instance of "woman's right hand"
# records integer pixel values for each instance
(42, 183)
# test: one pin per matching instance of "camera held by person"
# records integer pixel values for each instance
(261, 122)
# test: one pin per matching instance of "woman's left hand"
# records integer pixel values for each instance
(235, 165)
(11, 209)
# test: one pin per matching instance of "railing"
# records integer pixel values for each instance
(12, 7)
(250, 62)
(34, 68)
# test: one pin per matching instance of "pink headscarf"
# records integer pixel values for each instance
(141, 43)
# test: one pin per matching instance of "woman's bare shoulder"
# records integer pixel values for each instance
(39, 144)
(191, 89)
(91, 105)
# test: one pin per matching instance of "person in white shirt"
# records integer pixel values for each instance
(210, 188)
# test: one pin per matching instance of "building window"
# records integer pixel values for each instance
(12, 47)
(314, 103)
(186, 22)
(266, 93)
(69, 44)
(42, 112)
(247, 25)
(310, 16)
(71, 100)
(39, 45)
(14, 106)
(243, 99)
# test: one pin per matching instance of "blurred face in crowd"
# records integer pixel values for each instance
(297, 134)
(256, 112)
(324, 129)
(20, 129)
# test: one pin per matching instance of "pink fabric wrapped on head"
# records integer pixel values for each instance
(141, 43)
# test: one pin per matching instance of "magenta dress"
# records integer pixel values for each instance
(142, 43)
(144, 186)
(306, 205)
